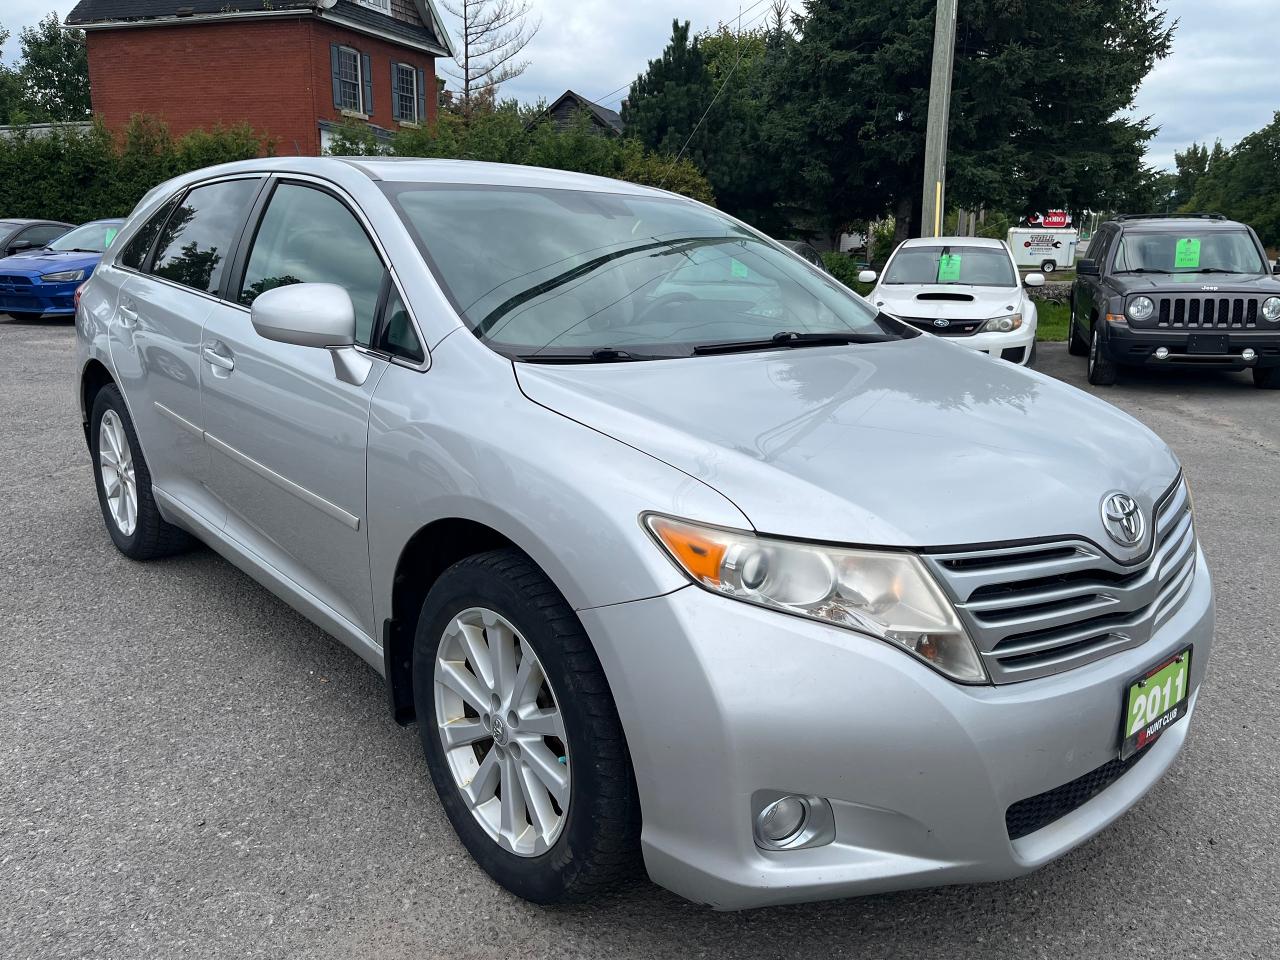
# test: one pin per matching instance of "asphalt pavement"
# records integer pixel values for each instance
(189, 769)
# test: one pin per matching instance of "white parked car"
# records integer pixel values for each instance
(964, 288)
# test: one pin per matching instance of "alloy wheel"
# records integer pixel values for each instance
(119, 478)
(502, 731)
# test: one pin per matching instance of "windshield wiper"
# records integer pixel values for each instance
(1213, 270)
(790, 339)
(75, 250)
(599, 355)
(1140, 270)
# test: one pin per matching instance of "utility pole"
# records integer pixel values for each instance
(933, 208)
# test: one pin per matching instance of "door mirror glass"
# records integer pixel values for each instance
(867, 276)
(1034, 279)
(1087, 268)
(306, 315)
(21, 245)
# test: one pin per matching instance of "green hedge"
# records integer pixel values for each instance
(77, 175)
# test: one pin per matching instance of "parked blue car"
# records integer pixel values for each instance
(44, 281)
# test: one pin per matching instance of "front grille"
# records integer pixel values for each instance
(1035, 813)
(954, 328)
(15, 280)
(1040, 609)
(1207, 312)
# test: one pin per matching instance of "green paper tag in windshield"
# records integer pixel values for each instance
(738, 268)
(949, 267)
(1187, 253)
(111, 235)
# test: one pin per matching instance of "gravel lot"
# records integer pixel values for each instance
(189, 769)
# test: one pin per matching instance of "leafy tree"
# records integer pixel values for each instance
(1244, 183)
(1038, 101)
(1192, 164)
(53, 72)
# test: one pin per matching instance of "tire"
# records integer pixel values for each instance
(150, 536)
(1102, 371)
(1077, 345)
(1266, 378)
(596, 843)
(1048, 266)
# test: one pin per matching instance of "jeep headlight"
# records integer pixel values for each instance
(1140, 308)
(65, 276)
(1271, 308)
(888, 595)
(1004, 324)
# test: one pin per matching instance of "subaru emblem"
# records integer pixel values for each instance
(1123, 519)
(941, 323)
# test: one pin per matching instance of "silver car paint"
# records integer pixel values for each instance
(718, 699)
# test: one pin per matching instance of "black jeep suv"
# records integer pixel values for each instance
(1176, 289)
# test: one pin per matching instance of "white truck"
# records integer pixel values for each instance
(1043, 249)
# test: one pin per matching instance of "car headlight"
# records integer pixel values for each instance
(1140, 308)
(883, 594)
(1003, 324)
(1271, 308)
(66, 276)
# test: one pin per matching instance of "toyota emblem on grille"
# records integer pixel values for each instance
(1123, 519)
(941, 323)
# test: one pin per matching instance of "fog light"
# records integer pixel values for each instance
(782, 820)
(1249, 354)
(1162, 353)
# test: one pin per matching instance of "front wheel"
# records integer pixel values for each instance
(1048, 266)
(1077, 345)
(1102, 371)
(124, 484)
(521, 734)
(1266, 378)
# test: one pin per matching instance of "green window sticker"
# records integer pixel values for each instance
(949, 267)
(1187, 253)
(738, 268)
(111, 235)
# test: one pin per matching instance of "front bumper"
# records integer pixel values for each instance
(1014, 346)
(1137, 347)
(722, 701)
(39, 298)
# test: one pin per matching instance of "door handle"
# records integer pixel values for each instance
(128, 315)
(218, 359)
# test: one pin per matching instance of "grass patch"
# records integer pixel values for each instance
(1053, 320)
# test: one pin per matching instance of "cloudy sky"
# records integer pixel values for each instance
(1220, 82)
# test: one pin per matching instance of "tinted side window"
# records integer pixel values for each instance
(196, 239)
(1101, 245)
(135, 252)
(42, 234)
(401, 339)
(309, 236)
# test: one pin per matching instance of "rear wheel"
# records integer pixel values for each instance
(1266, 378)
(124, 484)
(1077, 345)
(1102, 371)
(521, 734)
(1048, 266)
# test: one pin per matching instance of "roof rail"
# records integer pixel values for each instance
(1170, 216)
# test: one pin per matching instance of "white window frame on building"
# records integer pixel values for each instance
(415, 110)
(351, 68)
(382, 6)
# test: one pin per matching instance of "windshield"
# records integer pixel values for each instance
(540, 272)
(1212, 251)
(92, 237)
(952, 264)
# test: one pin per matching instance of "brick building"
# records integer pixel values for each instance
(292, 69)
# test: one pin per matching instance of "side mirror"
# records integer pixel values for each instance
(1086, 268)
(313, 315)
(18, 246)
(867, 276)
(1034, 279)
(1276, 268)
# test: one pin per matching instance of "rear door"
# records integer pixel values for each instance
(171, 271)
(287, 437)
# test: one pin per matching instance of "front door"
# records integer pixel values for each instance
(287, 438)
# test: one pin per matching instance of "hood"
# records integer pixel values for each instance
(1257, 284)
(38, 262)
(910, 443)
(948, 300)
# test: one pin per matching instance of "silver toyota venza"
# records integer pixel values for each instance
(672, 546)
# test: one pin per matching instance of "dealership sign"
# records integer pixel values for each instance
(1053, 220)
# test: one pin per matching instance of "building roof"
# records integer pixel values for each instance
(101, 13)
(607, 117)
